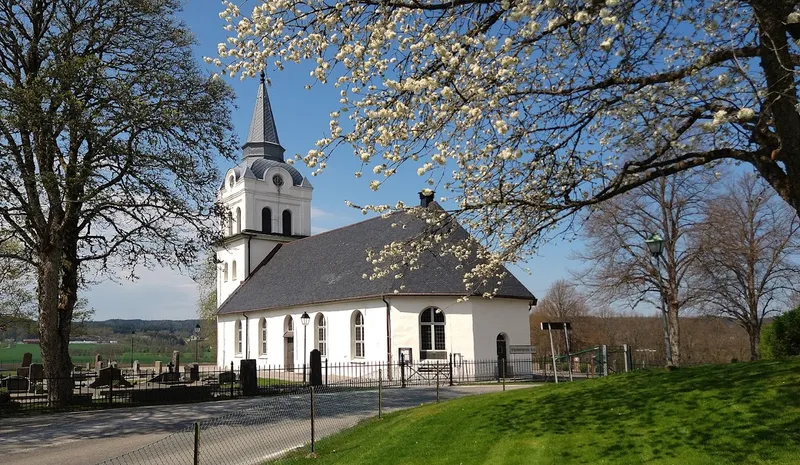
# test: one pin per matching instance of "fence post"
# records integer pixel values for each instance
(196, 443)
(625, 355)
(312, 420)
(380, 393)
(604, 357)
(233, 378)
(503, 361)
(402, 371)
(553, 353)
(326, 371)
(437, 382)
(111, 391)
(451, 369)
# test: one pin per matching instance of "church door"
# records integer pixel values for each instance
(288, 361)
(502, 355)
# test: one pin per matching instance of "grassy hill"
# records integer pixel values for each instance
(746, 413)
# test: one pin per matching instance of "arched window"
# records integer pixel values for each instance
(233, 270)
(225, 271)
(266, 220)
(287, 223)
(238, 220)
(289, 323)
(358, 335)
(322, 335)
(239, 336)
(262, 337)
(230, 224)
(431, 332)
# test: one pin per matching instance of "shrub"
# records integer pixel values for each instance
(782, 337)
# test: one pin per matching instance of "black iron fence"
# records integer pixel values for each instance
(122, 387)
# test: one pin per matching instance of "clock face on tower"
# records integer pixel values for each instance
(277, 180)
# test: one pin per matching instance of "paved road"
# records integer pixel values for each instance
(255, 428)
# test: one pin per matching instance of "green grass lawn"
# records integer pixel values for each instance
(746, 413)
(267, 382)
(83, 353)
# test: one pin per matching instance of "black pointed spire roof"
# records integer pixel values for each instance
(262, 139)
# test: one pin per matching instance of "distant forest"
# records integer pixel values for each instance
(175, 331)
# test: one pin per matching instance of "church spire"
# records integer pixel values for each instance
(262, 139)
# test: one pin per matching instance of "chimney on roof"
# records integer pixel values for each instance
(425, 199)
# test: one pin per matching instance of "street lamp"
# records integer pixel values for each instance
(304, 319)
(196, 338)
(656, 246)
(132, 333)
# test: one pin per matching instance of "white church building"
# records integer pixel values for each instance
(272, 271)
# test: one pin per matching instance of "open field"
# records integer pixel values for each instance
(83, 353)
(746, 413)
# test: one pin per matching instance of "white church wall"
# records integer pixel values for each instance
(339, 318)
(471, 329)
(229, 254)
(225, 337)
(494, 316)
(405, 324)
(264, 193)
(259, 249)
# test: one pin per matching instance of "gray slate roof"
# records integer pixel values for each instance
(330, 267)
(262, 138)
(254, 168)
(262, 125)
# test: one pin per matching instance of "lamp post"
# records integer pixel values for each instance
(196, 339)
(132, 333)
(656, 245)
(304, 319)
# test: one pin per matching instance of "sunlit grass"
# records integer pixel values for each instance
(747, 413)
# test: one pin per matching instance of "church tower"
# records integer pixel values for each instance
(267, 199)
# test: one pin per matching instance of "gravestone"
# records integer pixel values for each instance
(24, 369)
(98, 366)
(316, 368)
(110, 375)
(247, 375)
(194, 372)
(98, 359)
(227, 377)
(15, 384)
(35, 376)
(176, 360)
(88, 366)
(166, 378)
(137, 368)
(157, 367)
(112, 364)
(36, 373)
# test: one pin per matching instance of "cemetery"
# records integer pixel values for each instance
(104, 384)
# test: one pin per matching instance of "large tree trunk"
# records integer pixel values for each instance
(53, 329)
(674, 335)
(755, 340)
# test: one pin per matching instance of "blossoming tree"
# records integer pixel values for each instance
(523, 112)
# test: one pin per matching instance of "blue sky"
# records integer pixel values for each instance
(302, 117)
